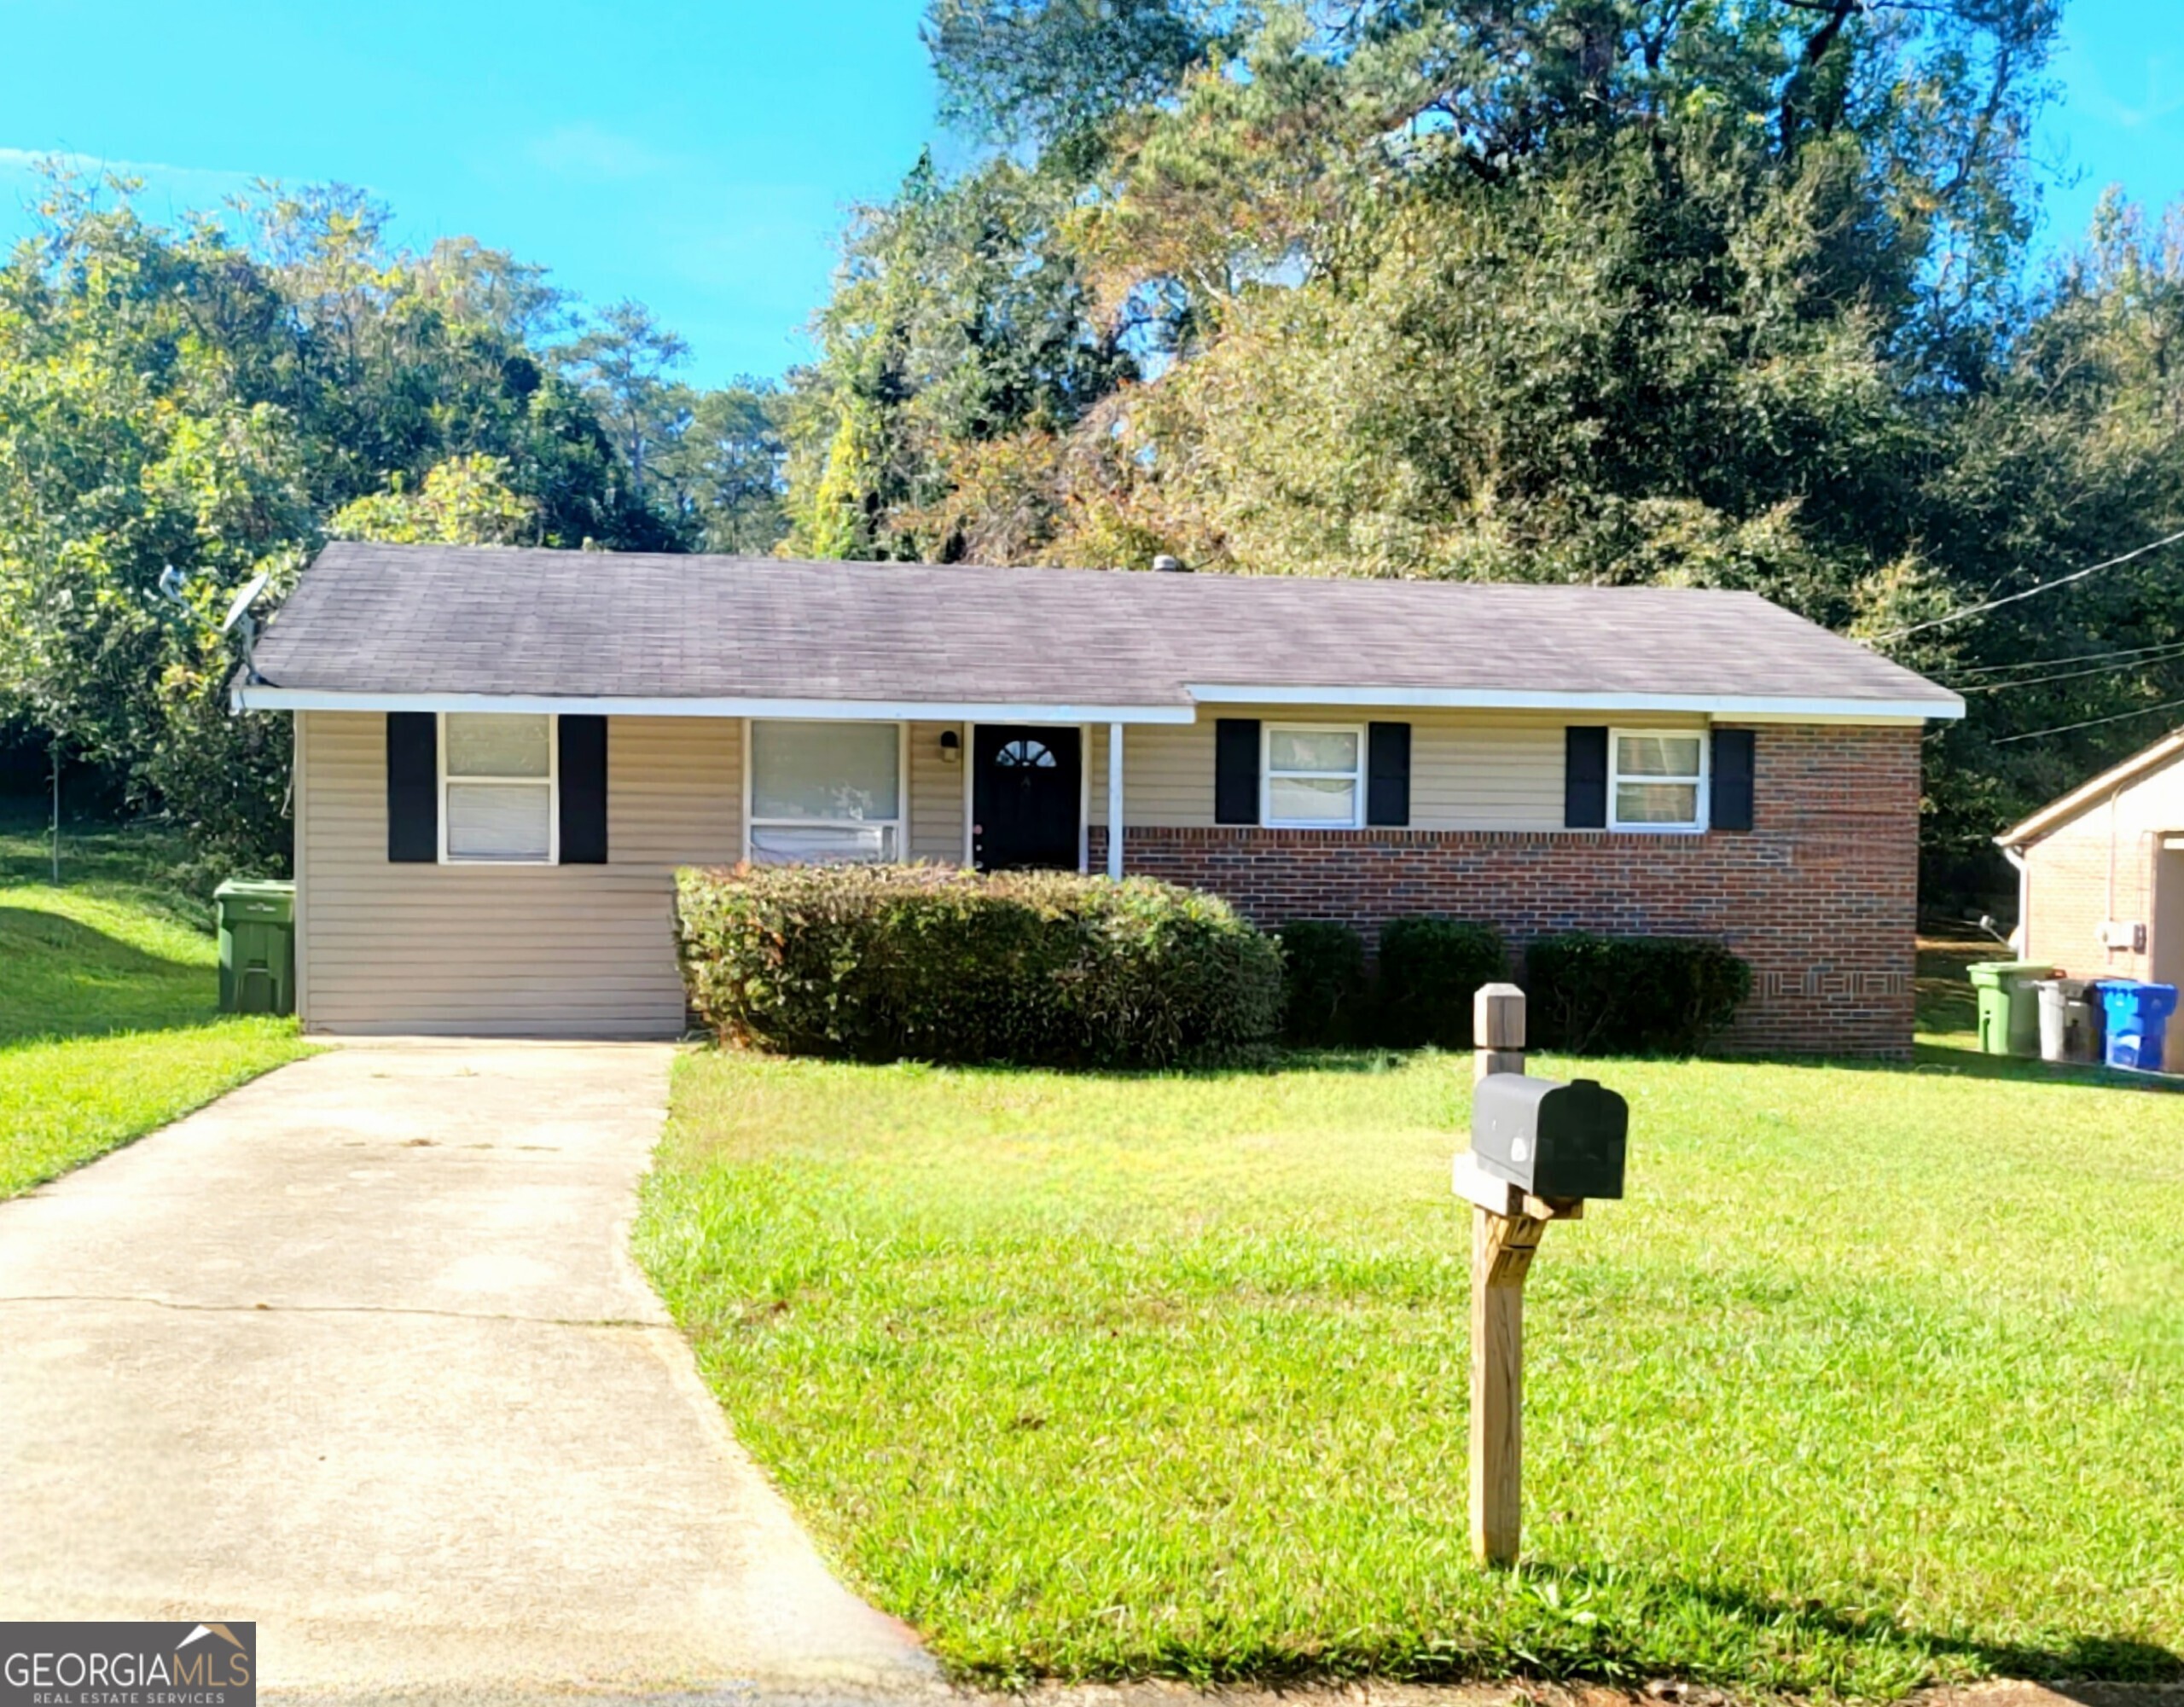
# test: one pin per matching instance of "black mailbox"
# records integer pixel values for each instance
(1550, 1139)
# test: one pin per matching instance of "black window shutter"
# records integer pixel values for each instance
(583, 791)
(1731, 782)
(413, 787)
(1584, 777)
(1236, 770)
(1387, 774)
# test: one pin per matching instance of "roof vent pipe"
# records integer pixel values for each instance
(1166, 564)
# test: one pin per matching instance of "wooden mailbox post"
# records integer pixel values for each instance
(1506, 1223)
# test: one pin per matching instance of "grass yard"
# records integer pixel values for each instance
(108, 992)
(1877, 1377)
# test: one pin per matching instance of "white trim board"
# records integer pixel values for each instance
(261, 696)
(1755, 708)
(2061, 809)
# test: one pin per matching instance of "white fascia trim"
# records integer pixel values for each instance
(1755, 708)
(2059, 811)
(1747, 708)
(263, 697)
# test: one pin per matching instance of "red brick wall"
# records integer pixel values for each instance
(1821, 896)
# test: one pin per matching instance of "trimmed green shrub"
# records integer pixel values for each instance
(1049, 968)
(1637, 995)
(1323, 982)
(1430, 969)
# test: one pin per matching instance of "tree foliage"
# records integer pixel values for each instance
(1050, 70)
(961, 320)
(218, 397)
(721, 475)
(1723, 292)
(464, 500)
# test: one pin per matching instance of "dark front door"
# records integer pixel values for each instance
(1025, 791)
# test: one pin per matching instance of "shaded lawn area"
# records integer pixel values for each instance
(1876, 1378)
(1948, 1008)
(108, 1021)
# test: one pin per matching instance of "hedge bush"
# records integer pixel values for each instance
(884, 963)
(1430, 969)
(1323, 984)
(1640, 996)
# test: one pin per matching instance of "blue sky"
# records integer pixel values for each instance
(698, 157)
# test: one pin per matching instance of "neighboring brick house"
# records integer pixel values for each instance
(2100, 873)
(502, 756)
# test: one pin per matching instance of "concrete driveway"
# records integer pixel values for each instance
(358, 1352)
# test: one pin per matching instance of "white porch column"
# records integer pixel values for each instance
(1114, 800)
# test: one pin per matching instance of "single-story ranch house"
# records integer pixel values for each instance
(503, 755)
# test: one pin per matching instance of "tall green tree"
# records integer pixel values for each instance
(622, 361)
(722, 473)
(187, 399)
(1047, 71)
(1728, 293)
(961, 318)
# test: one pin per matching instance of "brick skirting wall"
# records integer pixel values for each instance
(1820, 896)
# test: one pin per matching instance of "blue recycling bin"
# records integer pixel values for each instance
(2137, 1020)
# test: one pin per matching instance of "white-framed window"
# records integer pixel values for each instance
(1312, 776)
(824, 792)
(500, 785)
(1657, 780)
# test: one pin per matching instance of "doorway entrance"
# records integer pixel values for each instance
(1026, 796)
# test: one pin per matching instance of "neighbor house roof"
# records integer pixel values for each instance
(2059, 811)
(441, 628)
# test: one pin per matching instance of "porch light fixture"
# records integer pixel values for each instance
(951, 747)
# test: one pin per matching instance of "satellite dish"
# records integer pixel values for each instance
(239, 616)
(243, 600)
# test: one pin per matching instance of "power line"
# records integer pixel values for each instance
(2012, 598)
(2168, 657)
(2089, 723)
(2075, 658)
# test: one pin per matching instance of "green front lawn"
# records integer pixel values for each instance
(1877, 1377)
(108, 992)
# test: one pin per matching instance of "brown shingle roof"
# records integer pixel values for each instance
(381, 619)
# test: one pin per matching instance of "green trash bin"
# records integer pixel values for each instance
(257, 946)
(2009, 1005)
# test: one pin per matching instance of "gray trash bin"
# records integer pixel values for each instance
(2070, 1020)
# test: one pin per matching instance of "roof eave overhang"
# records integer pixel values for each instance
(2059, 812)
(1753, 708)
(261, 696)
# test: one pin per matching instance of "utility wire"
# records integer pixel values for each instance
(2168, 657)
(2075, 658)
(2026, 593)
(2090, 722)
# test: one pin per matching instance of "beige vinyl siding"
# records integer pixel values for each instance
(508, 949)
(589, 951)
(936, 825)
(674, 790)
(1469, 771)
(1167, 774)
